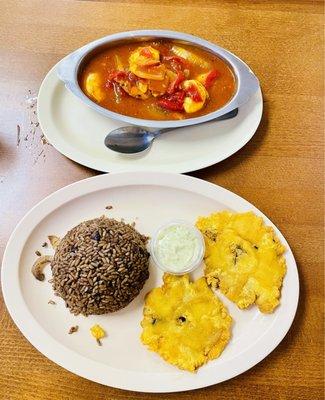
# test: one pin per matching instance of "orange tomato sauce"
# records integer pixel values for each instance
(100, 80)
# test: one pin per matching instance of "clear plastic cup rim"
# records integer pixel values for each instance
(194, 262)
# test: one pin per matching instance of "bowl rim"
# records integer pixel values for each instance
(247, 82)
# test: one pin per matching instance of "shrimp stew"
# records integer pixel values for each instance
(158, 80)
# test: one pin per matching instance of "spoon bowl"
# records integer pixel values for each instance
(135, 139)
(129, 139)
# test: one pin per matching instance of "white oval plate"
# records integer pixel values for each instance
(150, 199)
(78, 132)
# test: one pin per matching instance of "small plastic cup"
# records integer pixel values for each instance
(193, 263)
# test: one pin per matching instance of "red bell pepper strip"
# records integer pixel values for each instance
(176, 63)
(173, 102)
(113, 75)
(169, 105)
(177, 59)
(210, 78)
(174, 85)
(193, 92)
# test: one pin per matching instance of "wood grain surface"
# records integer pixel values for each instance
(280, 170)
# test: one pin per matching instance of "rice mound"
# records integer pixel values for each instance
(100, 266)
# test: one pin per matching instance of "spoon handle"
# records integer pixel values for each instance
(231, 114)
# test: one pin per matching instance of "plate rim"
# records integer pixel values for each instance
(82, 158)
(87, 368)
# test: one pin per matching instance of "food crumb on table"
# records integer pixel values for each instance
(18, 135)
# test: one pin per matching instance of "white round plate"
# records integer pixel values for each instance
(151, 199)
(78, 132)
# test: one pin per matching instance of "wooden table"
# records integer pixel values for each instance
(280, 170)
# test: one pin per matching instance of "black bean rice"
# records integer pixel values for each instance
(100, 266)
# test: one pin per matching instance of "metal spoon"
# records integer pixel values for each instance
(134, 139)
